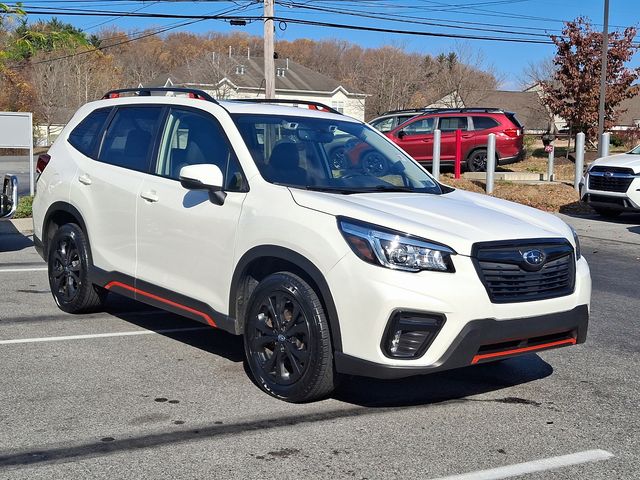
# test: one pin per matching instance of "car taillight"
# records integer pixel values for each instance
(43, 161)
(512, 132)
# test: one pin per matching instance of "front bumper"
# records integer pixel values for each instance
(552, 331)
(368, 296)
(628, 201)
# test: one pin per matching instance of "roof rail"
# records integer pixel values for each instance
(290, 101)
(146, 92)
(446, 110)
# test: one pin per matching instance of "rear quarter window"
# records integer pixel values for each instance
(482, 123)
(83, 137)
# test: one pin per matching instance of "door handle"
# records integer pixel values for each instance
(84, 179)
(150, 196)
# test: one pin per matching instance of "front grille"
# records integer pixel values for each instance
(610, 179)
(508, 278)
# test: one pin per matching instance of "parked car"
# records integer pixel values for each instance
(390, 120)
(231, 213)
(9, 197)
(611, 185)
(415, 135)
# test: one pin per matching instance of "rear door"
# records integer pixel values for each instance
(110, 172)
(448, 126)
(186, 242)
(482, 127)
(416, 138)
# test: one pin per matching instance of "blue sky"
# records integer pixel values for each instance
(537, 17)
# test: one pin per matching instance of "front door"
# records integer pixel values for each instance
(416, 138)
(186, 242)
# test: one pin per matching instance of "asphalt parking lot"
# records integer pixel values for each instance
(138, 393)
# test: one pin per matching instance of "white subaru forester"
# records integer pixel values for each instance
(234, 214)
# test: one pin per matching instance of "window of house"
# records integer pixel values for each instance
(338, 105)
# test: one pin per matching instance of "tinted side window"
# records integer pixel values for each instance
(450, 124)
(83, 137)
(194, 138)
(482, 123)
(129, 139)
(419, 127)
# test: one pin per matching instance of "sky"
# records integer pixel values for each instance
(521, 19)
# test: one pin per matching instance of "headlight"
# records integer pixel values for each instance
(577, 240)
(395, 250)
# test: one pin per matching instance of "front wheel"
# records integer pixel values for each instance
(287, 341)
(69, 272)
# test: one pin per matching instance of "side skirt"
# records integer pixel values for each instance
(168, 300)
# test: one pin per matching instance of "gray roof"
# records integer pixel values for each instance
(526, 105)
(295, 77)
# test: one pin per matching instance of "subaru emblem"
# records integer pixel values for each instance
(534, 257)
(608, 174)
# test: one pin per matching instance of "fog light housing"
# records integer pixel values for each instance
(409, 334)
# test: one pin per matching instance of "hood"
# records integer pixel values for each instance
(627, 160)
(457, 219)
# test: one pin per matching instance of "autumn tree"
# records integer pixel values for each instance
(574, 91)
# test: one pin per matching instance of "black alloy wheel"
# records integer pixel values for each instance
(287, 340)
(68, 269)
(477, 161)
(374, 163)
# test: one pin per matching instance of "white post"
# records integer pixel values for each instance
(491, 161)
(604, 144)
(32, 175)
(435, 168)
(579, 160)
(550, 165)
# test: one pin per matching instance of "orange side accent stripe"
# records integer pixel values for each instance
(568, 341)
(206, 317)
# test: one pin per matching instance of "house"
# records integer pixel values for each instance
(243, 77)
(526, 105)
(630, 116)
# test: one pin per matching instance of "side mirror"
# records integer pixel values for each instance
(401, 134)
(9, 197)
(204, 177)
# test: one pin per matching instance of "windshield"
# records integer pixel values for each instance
(329, 155)
(636, 151)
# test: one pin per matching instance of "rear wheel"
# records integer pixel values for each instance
(607, 212)
(287, 341)
(477, 161)
(69, 272)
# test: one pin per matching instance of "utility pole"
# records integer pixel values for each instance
(603, 75)
(269, 63)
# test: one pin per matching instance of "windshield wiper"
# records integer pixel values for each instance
(320, 188)
(353, 190)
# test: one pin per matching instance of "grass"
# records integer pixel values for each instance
(24, 207)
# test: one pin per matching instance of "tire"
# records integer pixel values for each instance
(373, 163)
(606, 212)
(286, 340)
(477, 161)
(68, 269)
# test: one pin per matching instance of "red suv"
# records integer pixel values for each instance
(415, 135)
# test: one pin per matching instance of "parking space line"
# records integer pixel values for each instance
(14, 270)
(100, 335)
(533, 466)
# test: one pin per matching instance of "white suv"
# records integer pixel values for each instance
(232, 214)
(611, 184)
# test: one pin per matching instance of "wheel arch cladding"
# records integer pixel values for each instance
(258, 263)
(58, 214)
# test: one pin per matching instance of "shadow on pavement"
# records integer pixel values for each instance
(11, 240)
(634, 229)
